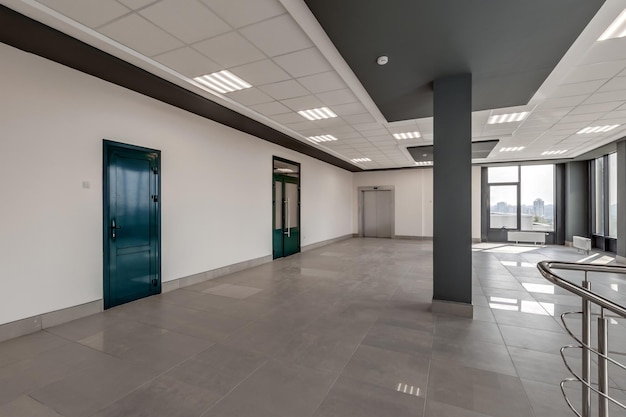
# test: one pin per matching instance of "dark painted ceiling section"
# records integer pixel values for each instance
(31, 36)
(509, 46)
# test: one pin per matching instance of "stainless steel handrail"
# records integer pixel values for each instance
(602, 352)
(545, 269)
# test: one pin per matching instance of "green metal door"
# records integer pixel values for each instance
(286, 216)
(131, 223)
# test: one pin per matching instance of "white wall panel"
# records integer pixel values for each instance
(216, 185)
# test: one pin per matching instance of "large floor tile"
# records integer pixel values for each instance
(474, 354)
(26, 406)
(276, 389)
(164, 397)
(388, 368)
(349, 397)
(486, 392)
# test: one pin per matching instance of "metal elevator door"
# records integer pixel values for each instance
(377, 213)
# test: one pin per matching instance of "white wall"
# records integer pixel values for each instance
(216, 185)
(413, 199)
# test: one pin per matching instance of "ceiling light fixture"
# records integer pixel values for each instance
(382, 60)
(407, 135)
(317, 114)
(223, 82)
(322, 138)
(512, 149)
(617, 29)
(361, 160)
(561, 152)
(424, 163)
(596, 129)
(507, 118)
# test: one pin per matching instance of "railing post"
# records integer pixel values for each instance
(603, 370)
(586, 354)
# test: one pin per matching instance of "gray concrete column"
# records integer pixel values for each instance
(621, 201)
(452, 199)
(576, 200)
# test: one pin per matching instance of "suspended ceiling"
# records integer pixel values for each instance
(536, 56)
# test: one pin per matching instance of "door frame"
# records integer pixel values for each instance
(361, 208)
(299, 183)
(106, 146)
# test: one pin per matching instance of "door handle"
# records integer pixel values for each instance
(114, 227)
(287, 218)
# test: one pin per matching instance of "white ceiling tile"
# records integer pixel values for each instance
(349, 109)
(250, 96)
(229, 50)
(271, 108)
(287, 118)
(617, 83)
(562, 102)
(302, 63)
(609, 50)
(361, 127)
(320, 83)
(142, 36)
(375, 132)
(594, 108)
(240, 13)
(576, 89)
(351, 135)
(136, 4)
(303, 103)
(607, 96)
(261, 72)
(601, 71)
(188, 62)
(337, 97)
(580, 117)
(301, 126)
(343, 129)
(619, 114)
(331, 123)
(285, 89)
(574, 125)
(358, 118)
(277, 36)
(92, 13)
(189, 21)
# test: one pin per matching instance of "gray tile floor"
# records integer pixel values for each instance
(344, 330)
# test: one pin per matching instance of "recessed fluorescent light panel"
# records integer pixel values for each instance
(561, 152)
(317, 114)
(223, 82)
(361, 160)
(617, 29)
(322, 138)
(507, 118)
(512, 149)
(407, 135)
(596, 129)
(424, 163)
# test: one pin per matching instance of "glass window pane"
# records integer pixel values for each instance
(537, 193)
(503, 203)
(599, 197)
(502, 174)
(613, 195)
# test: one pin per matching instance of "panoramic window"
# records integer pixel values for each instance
(598, 197)
(521, 197)
(537, 195)
(612, 160)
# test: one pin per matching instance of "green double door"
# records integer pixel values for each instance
(286, 218)
(131, 223)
